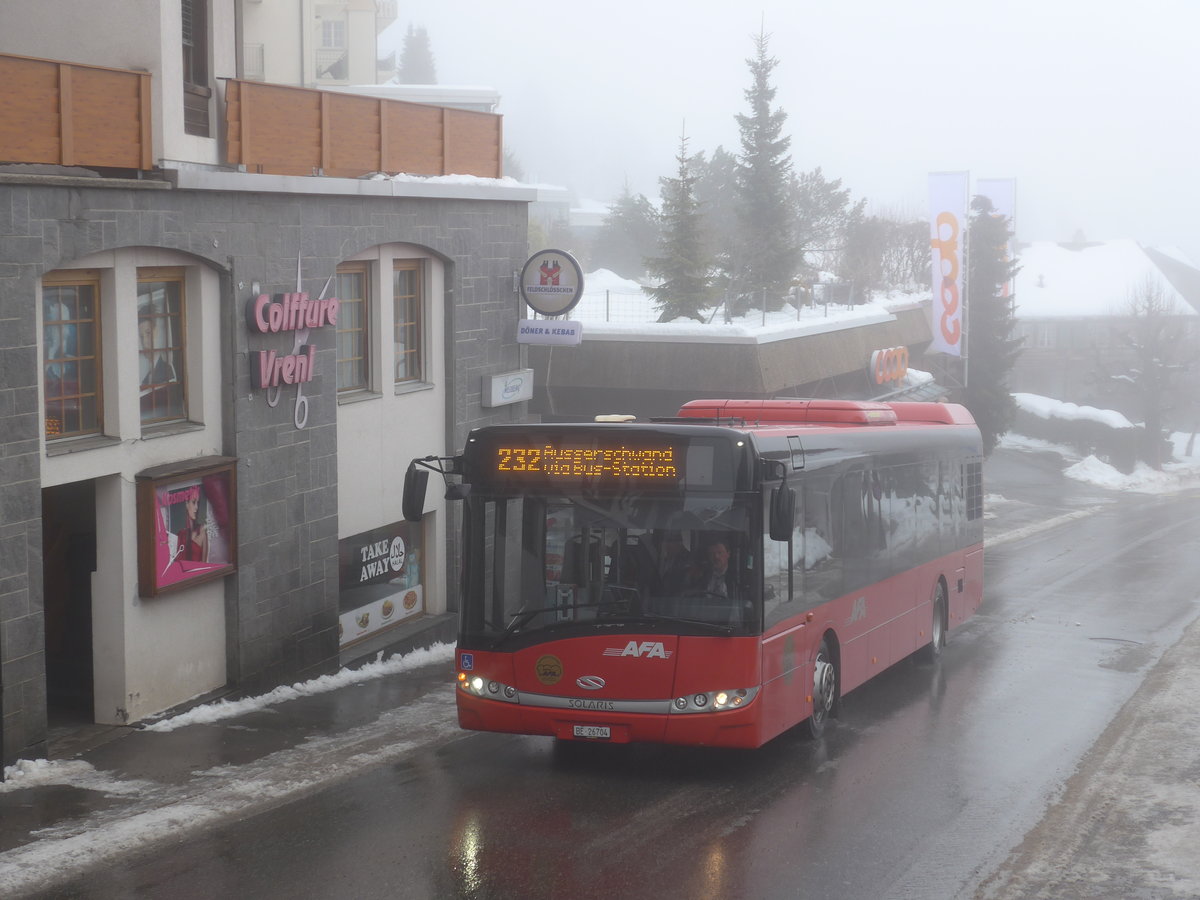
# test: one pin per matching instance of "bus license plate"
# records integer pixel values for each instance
(592, 732)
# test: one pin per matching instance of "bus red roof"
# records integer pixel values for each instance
(827, 412)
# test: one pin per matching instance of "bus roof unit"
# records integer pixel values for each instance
(826, 412)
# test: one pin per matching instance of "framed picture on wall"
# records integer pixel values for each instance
(187, 524)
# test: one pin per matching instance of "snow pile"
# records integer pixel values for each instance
(1045, 408)
(227, 709)
(1181, 473)
(30, 773)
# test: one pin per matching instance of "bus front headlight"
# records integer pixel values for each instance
(714, 701)
(478, 686)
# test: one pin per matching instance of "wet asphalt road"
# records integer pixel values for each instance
(925, 786)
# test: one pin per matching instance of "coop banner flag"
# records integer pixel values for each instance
(947, 235)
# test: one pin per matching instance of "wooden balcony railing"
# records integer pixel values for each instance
(68, 114)
(283, 130)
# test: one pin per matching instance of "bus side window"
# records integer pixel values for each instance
(822, 568)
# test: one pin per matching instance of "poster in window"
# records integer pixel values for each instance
(186, 526)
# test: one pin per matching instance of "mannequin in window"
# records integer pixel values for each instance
(155, 369)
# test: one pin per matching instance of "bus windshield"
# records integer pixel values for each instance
(562, 565)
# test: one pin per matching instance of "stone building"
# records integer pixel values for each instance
(224, 334)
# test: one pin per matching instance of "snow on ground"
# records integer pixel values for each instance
(618, 307)
(227, 709)
(1181, 473)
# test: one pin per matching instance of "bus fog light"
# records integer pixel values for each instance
(681, 702)
(477, 684)
(700, 699)
(493, 687)
(510, 691)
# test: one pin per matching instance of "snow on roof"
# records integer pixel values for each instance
(1097, 280)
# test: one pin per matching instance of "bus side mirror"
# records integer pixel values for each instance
(783, 512)
(413, 502)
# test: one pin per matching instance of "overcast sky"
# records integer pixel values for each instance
(1091, 105)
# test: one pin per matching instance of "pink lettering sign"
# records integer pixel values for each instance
(293, 313)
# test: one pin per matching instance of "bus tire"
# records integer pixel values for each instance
(825, 690)
(939, 618)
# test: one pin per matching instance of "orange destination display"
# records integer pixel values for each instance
(590, 462)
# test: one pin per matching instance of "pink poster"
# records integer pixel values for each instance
(191, 528)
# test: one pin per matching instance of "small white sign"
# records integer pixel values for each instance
(510, 387)
(550, 331)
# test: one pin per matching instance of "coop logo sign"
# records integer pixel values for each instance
(947, 212)
(888, 365)
(295, 313)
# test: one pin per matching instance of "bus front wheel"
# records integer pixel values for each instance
(937, 625)
(825, 690)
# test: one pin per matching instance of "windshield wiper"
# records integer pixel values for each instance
(525, 616)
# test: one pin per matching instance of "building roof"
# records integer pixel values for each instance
(1088, 280)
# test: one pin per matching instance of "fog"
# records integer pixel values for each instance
(1090, 105)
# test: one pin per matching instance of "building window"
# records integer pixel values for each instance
(71, 346)
(333, 34)
(353, 327)
(161, 369)
(408, 300)
(196, 90)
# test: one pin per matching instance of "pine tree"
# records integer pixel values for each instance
(629, 234)
(416, 59)
(767, 255)
(716, 192)
(991, 348)
(683, 265)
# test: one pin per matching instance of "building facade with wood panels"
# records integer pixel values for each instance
(216, 369)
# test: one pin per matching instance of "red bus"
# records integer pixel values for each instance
(713, 578)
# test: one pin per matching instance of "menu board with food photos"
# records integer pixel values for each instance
(380, 580)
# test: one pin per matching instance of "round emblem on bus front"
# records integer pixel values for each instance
(549, 669)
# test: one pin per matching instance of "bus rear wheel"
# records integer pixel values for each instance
(825, 690)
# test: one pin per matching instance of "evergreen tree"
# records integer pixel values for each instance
(629, 234)
(682, 267)
(767, 256)
(716, 193)
(991, 348)
(416, 58)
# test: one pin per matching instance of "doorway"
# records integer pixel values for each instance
(68, 561)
